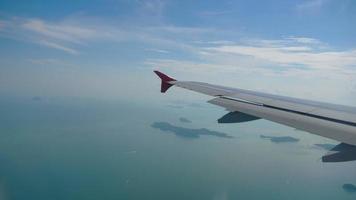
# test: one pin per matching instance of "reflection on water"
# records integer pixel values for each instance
(187, 132)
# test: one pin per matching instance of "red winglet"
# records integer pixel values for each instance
(165, 85)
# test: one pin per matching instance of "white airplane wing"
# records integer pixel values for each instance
(329, 120)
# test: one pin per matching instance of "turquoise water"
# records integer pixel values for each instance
(86, 149)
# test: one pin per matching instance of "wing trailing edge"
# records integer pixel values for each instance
(236, 117)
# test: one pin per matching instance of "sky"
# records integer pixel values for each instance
(108, 48)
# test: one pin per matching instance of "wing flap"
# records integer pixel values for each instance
(236, 117)
(341, 153)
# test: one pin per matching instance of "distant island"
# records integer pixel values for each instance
(280, 139)
(184, 120)
(36, 98)
(349, 188)
(187, 132)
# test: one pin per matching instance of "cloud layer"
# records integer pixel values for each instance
(198, 50)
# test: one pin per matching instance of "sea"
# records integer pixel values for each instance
(84, 148)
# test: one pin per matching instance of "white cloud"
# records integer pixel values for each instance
(150, 11)
(305, 40)
(309, 68)
(285, 56)
(286, 41)
(216, 42)
(69, 33)
(200, 50)
(157, 50)
(185, 65)
(285, 53)
(153, 6)
(58, 36)
(214, 13)
(181, 30)
(311, 6)
(296, 48)
(64, 32)
(58, 46)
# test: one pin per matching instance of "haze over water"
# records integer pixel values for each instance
(86, 149)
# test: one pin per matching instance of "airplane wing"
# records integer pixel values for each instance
(328, 120)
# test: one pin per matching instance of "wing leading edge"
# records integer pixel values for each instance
(328, 120)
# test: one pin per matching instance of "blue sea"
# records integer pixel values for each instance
(77, 148)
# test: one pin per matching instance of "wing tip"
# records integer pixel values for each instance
(163, 76)
(165, 85)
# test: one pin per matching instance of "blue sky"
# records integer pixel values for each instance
(101, 48)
